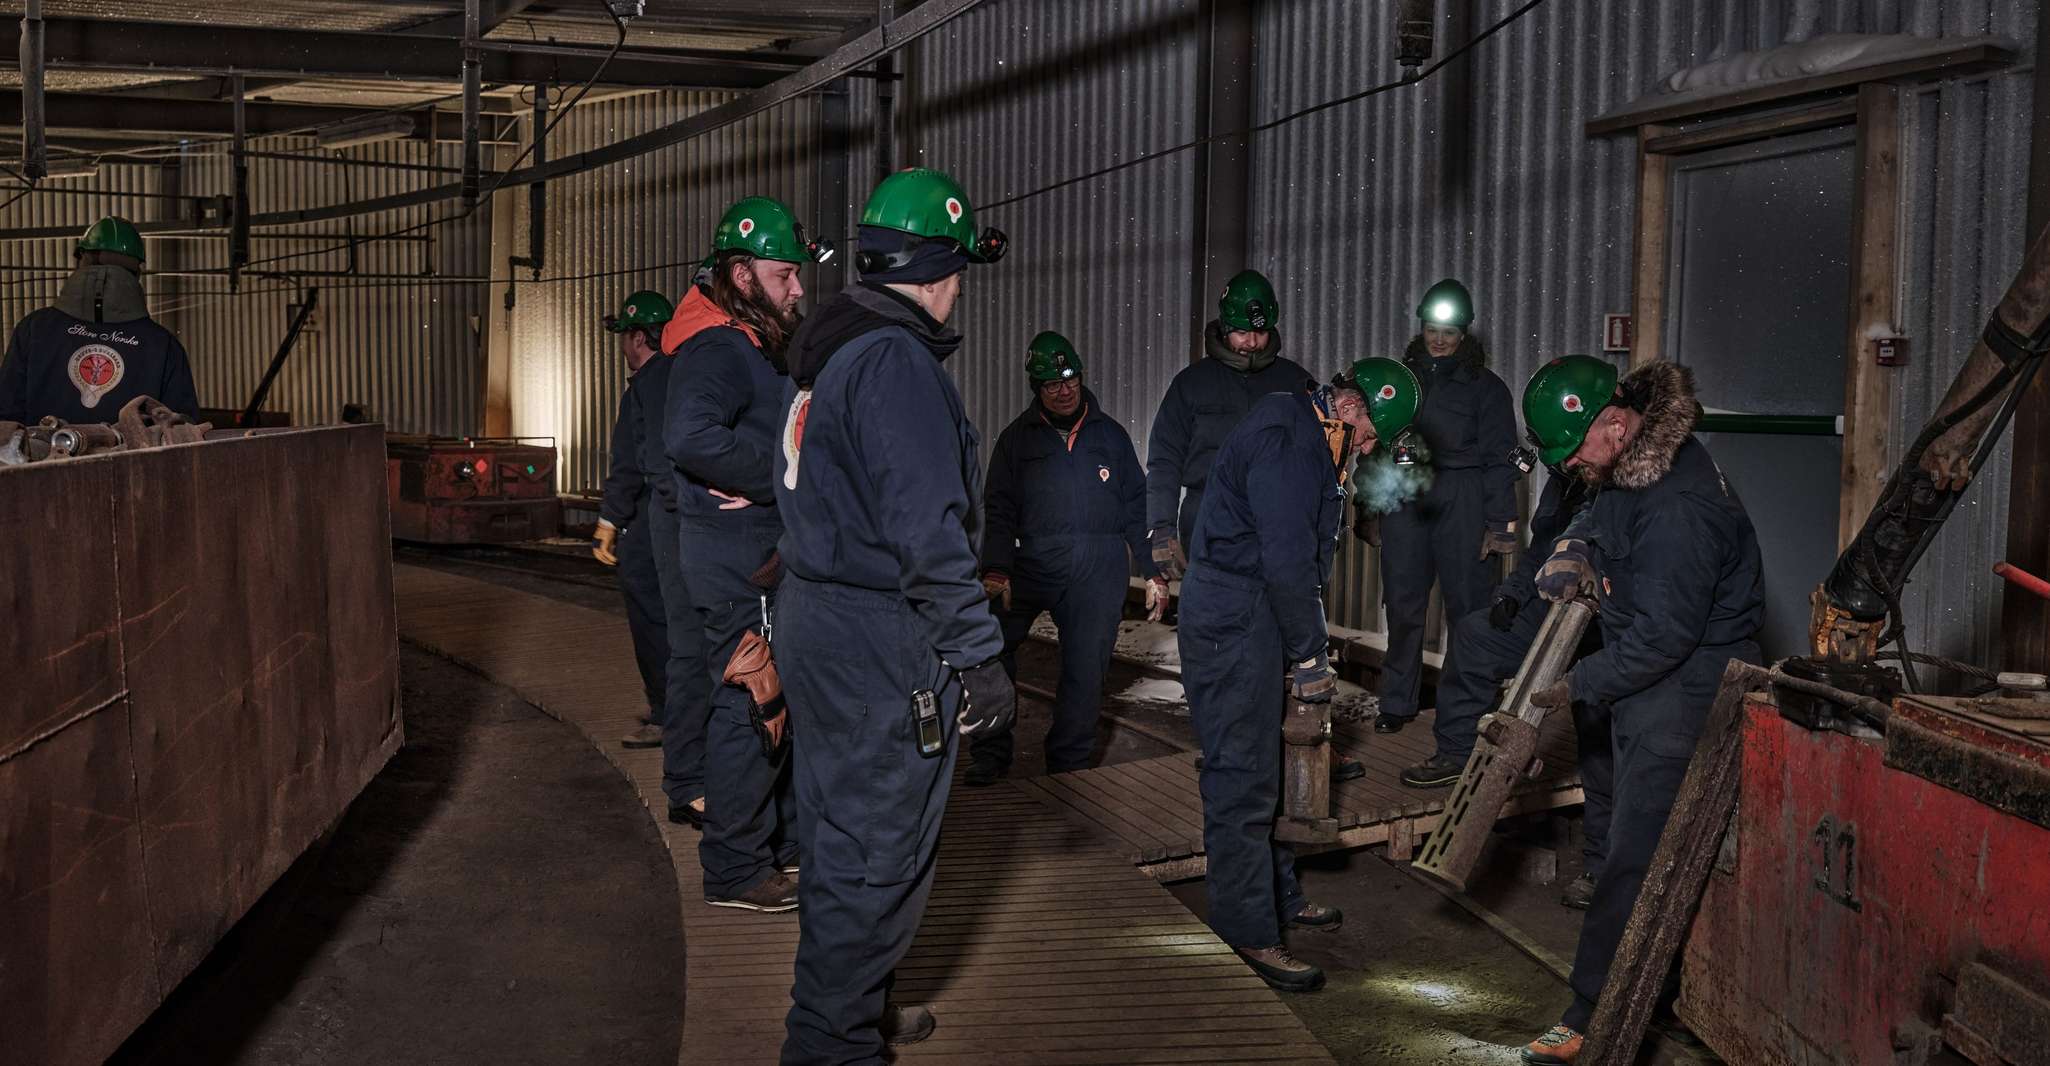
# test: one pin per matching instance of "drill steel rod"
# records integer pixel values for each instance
(1505, 752)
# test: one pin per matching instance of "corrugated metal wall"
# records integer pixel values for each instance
(1358, 208)
(406, 341)
(1015, 96)
(637, 225)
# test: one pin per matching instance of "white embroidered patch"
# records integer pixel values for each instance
(793, 435)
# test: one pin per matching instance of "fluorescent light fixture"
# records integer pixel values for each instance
(368, 130)
(73, 167)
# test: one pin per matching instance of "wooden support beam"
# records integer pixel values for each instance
(1875, 234)
(1654, 223)
(2024, 618)
(1679, 871)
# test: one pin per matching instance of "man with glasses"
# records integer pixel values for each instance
(1065, 516)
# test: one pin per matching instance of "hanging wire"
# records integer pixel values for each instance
(1273, 123)
(618, 24)
(1293, 116)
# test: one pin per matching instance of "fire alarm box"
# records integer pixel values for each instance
(1890, 351)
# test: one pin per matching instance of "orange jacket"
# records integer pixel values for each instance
(696, 313)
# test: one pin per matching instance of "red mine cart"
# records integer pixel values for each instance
(472, 490)
(1878, 896)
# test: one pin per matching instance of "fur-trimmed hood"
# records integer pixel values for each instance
(1664, 394)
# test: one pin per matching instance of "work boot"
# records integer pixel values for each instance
(1282, 971)
(648, 735)
(1347, 770)
(1434, 772)
(1579, 895)
(982, 774)
(1317, 916)
(774, 895)
(1388, 723)
(906, 1025)
(1558, 1047)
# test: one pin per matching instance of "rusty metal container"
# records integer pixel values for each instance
(472, 490)
(201, 674)
(1864, 877)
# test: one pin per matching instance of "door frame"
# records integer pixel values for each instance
(1869, 389)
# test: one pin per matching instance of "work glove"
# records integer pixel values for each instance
(997, 586)
(1568, 573)
(1367, 527)
(753, 667)
(1312, 680)
(1156, 599)
(1557, 696)
(1500, 539)
(602, 541)
(1502, 614)
(988, 702)
(1168, 557)
(768, 575)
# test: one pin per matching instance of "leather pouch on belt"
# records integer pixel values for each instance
(753, 668)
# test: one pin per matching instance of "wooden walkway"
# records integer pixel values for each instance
(1039, 945)
(1150, 810)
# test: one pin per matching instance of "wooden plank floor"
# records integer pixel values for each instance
(1151, 812)
(1039, 945)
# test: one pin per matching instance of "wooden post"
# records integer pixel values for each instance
(498, 319)
(1678, 874)
(1654, 185)
(1875, 225)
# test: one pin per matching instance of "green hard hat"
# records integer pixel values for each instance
(642, 310)
(1446, 304)
(927, 203)
(1562, 400)
(764, 228)
(1051, 358)
(1248, 303)
(1392, 392)
(113, 234)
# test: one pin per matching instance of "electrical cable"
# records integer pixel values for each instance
(1292, 116)
(618, 24)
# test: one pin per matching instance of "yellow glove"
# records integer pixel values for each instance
(1156, 599)
(602, 541)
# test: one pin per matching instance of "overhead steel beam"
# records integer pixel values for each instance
(102, 116)
(494, 12)
(859, 52)
(177, 48)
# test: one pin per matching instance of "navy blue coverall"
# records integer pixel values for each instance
(1683, 595)
(625, 503)
(84, 371)
(688, 702)
(726, 408)
(1480, 657)
(1065, 515)
(1202, 405)
(1469, 423)
(1253, 604)
(881, 600)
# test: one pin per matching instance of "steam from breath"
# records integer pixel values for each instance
(1380, 486)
